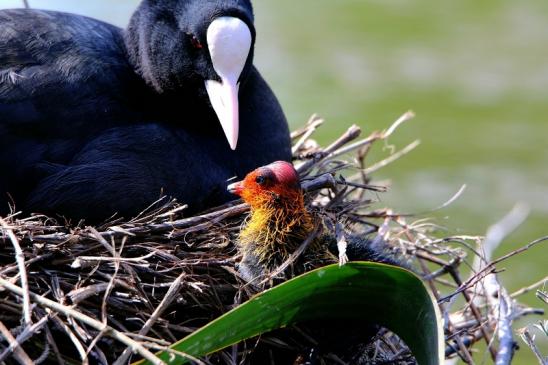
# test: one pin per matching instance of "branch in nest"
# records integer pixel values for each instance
(69, 312)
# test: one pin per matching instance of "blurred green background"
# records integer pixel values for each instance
(476, 74)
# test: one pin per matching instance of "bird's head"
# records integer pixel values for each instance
(273, 186)
(203, 45)
(279, 221)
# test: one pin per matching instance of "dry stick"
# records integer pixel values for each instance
(542, 295)
(465, 354)
(530, 341)
(53, 344)
(491, 268)
(496, 295)
(529, 288)
(19, 354)
(351, 134)
(375, 136)
(475, 311)
(23, 337)
(168, 299)
(11, 268)
(392, 158)
(498, 233)
(146, 229)
(69, 312)
(311, 237)
(174, 353)
(310, 130)
(454, 273)
(20, 258)
(299, 132)
(77, 344)
(108, 290)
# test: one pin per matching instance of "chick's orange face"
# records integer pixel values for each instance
(276, 181)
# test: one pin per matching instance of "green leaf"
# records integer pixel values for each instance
(386, 295)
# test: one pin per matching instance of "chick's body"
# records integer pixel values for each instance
(279, 224)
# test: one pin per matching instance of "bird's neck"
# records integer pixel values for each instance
(276, 229)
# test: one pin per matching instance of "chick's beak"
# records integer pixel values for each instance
(235, 188)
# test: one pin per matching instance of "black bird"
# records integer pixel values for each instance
(96, 120)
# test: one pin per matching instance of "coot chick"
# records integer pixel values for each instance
(96, 120)
(279, 223)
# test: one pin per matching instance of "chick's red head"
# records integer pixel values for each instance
(270, 184)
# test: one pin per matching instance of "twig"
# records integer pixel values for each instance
(528, 339)
(469, 300)
(404, 118)
(20, 354)
(156, 228)
(135, 346)
(168, 298)
(352, 133)
(53, 344)
(311, 121)
(23, 337)
(374, 136)
(491, 268)
(321, 182)
(309, 131)
(396, 156)
(495, 293)
(20, 258)
(311, 237)
(77, 344)
(529, 288)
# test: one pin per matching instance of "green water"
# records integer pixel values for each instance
(476, 74)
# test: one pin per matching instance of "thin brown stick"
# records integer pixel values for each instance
(76, 342)
(529, 340)
(529, 288)
(351, 134)
(491, 268)
(309, 131)
(53, 344)
(135, 346)
(20, 258)
(20, 354)
(394, 157)
(311, 237)
(27, 333)
(168, 299)
(496, 295)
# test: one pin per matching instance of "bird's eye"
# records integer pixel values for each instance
(260, 179)
(195, 42)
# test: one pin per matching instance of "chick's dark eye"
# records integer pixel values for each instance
(195, 42)
(260, 180)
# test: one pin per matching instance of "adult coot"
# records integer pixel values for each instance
(96, 120)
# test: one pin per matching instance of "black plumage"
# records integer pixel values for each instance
(96, 120)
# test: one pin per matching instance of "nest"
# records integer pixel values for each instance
(71, 293)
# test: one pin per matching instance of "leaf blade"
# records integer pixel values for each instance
(386, 295)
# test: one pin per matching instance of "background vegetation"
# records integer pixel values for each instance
(476, 73)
